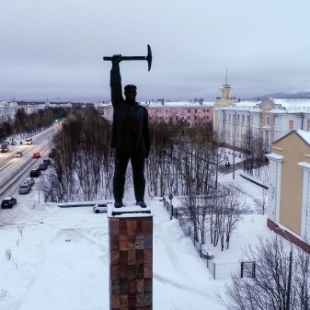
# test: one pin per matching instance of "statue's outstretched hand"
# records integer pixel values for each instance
(116, 59)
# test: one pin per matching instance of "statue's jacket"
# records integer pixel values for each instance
(130, 129)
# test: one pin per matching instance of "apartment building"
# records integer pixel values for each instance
(186, 113)
(8, 111)
(269, 119)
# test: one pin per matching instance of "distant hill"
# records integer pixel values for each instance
(300, 93)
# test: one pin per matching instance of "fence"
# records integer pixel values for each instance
(219, 271)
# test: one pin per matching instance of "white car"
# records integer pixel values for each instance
(28, 141)
(100, 208)
(29, 181)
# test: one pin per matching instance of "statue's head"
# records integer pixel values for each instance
(130, 92)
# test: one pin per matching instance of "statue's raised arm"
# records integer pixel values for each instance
(116, 81)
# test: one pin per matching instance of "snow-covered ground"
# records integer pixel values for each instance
(57, 259)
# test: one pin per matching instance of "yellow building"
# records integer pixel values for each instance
(225, 100)
(289, 188)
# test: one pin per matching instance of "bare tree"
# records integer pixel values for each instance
(270, 288)
(252, 144)
(83, 163)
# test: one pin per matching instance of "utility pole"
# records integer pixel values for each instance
(289, 282)
(290, 269)
(234, 144)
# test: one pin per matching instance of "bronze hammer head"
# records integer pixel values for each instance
(148, 57)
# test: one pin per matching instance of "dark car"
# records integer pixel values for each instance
(47, 161)
(4, 148)
(18, 154)
(8, 202)
(35, 173)
(52, 154)
(42, 167)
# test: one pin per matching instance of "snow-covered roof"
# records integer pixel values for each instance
(274, 156)
(292, 105)
(243, 105)
(176, 104)
(305, 135)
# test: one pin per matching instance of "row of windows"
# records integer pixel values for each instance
(183, 111)
(232, 118)
(176, 118)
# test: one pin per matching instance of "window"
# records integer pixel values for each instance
(242, 119)
(267, 120)
(291, 125)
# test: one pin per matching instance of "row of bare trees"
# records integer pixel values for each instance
(281, 280)
(24, 123)
(184, 162)
(215, 215)
(83, 163)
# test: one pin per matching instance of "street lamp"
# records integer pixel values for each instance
(289, 281)
(171, 206)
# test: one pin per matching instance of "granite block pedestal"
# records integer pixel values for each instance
(131, 258)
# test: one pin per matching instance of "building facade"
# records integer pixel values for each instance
(186, 113)
(269, 120)
(288, 208)
(8, 111)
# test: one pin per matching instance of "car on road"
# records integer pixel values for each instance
(36, 155)
(42, 167)
(4, 148)
(100, 208)
(47, 161)
(28, 141)
(8, 202)
(18, 154)
(24, 188)
(29, 181)
(52, 153)
(35, 173)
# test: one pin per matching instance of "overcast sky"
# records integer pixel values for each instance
(54, 48)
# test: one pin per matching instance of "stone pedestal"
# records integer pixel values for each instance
(131, 258)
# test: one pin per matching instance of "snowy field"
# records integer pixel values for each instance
(57, 259)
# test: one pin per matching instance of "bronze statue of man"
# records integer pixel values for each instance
(130, 136)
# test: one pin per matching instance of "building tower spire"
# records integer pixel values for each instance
(226, 89)
(226, 77)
